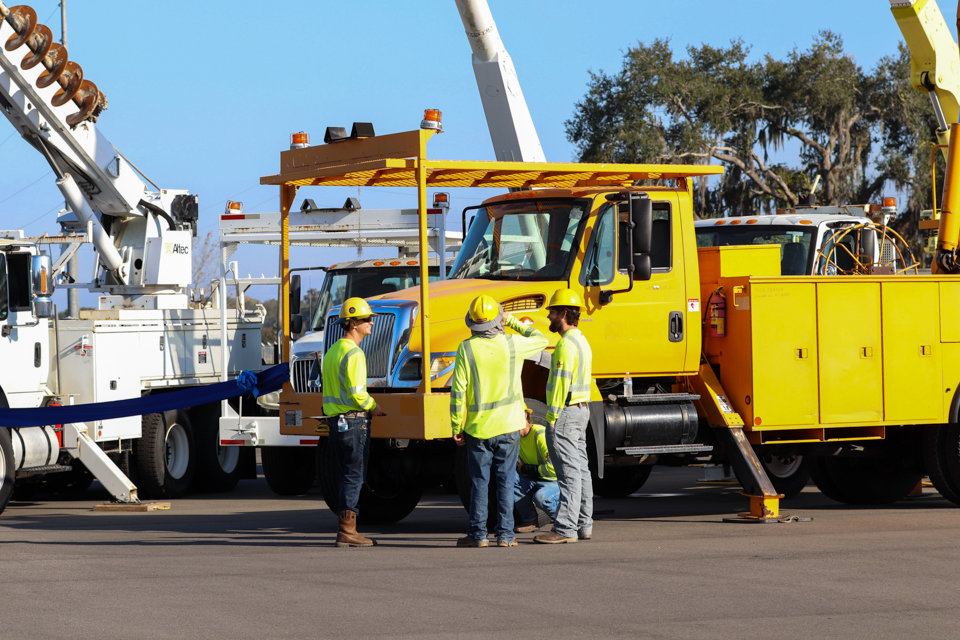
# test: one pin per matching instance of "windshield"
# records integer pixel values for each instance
(525, 240)
(794, 242)
(363, 283)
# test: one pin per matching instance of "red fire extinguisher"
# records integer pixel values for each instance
(717, 312)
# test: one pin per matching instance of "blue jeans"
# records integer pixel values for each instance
(544, 494)
(498, 454)
(352, 449)
(567, 443)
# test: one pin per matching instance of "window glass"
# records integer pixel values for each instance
(3, 286)
(523, 240)
(364, 283)
(794, 242)
(598, 265)
(661, 245)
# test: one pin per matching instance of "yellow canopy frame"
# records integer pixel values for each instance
(400, 160)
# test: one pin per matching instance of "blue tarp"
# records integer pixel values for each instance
(264, 382)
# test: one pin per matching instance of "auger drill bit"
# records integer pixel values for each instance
(43, 50)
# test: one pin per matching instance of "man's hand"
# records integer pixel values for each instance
(377, 411)
(460, 439)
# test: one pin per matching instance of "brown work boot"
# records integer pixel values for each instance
(347, 535)
(506, 543)
(526, 527)
(552, 537)
(467, 541)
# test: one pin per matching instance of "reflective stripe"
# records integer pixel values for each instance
(565, 374)
(502, 402)
(358, 389)
(579, 387)
(513, 357)
(474, 372)
(457, 395)
(554, 410)
(344, 397)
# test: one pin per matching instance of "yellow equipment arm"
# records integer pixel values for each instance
(933, 58)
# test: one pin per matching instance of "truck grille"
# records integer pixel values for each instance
(376, 346)
(526, 303)
(300, 375)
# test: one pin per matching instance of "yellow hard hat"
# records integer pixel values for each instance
(355, 308)
(565, 298)
(483, 309)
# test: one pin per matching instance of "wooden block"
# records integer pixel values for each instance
(132, 506)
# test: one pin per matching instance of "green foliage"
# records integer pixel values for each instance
(860, 132)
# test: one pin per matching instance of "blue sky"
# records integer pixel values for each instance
(203, 95)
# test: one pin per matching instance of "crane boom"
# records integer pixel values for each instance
(508, 118)
(933, 59)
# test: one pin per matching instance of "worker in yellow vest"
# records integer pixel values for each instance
(349, 407)
(568, 392)
(536, 484)
(486, 411)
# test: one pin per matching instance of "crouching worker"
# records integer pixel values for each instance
(536, 484)
(350, 407)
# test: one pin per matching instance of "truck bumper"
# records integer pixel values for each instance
(412, 416)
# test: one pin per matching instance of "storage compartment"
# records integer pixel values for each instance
(833, 353)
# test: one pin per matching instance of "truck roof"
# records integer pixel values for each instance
(384, 262)
(782, 220)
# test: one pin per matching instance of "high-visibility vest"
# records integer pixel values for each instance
(345, 379)
(486, 397)
(533, 450)
(570, 373)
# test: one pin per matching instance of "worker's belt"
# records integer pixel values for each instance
(356, 414)
(578, 404)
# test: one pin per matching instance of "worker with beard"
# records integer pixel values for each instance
(568, 392)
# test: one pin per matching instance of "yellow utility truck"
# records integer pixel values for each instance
(727, 358)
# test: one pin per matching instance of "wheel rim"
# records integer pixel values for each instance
(3, 469)
(228, 457)
(178, 450)
(782, 466)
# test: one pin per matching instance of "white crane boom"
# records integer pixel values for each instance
(54, 108)
(508, 118)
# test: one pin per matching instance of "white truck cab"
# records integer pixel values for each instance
(806, 236)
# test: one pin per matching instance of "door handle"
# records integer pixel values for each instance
(675, 328)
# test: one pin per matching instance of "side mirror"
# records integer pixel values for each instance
(868, 243)
(641, 213)
(641, 266)
(296, 324)
(294, 305)
(41, 283)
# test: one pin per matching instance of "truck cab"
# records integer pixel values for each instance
(808, 237)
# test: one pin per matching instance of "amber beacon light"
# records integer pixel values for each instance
(432, 120)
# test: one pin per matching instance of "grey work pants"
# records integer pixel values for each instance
(567, 443)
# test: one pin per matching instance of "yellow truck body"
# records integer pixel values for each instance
(802, 362)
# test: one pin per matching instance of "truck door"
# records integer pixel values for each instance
(642, 331)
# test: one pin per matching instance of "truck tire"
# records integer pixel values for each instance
(218, 468)
(620, 482)
(935, 460)
(789, 474)
(871, 480)
(7, 472)
(164, 455)
(820, 473)
(289, 471)
(388, 496)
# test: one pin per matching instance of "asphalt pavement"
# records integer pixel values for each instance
(662, 564)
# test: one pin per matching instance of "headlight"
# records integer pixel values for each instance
(440, 364)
